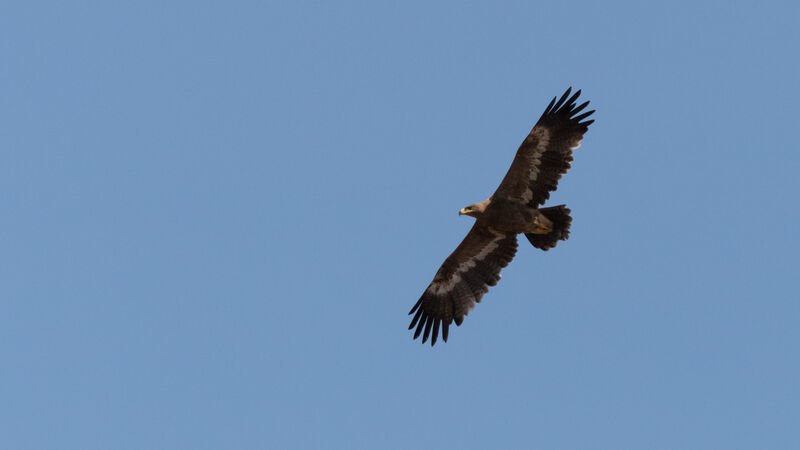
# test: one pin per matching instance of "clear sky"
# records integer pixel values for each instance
(215, 216)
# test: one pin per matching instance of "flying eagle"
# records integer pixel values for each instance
(513, 209)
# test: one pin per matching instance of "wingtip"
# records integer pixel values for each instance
(419, 327)
(583, 116)
(579, 108)
(549, 108)
(416, 305)
(415, 319)
(571, 102)
(563, 99)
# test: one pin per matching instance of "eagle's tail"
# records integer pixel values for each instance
(559, 215)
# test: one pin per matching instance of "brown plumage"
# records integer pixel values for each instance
(545, 155)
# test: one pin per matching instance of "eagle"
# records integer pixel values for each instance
(514, 208)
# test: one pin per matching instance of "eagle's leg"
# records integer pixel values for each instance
(560, 220)
(540, 223)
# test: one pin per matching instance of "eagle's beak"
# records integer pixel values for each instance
(463, 211)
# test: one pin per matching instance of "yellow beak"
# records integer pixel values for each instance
(464, 211)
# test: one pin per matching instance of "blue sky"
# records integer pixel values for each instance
(215, 218)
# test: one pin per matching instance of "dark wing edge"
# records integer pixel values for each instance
(461, 281)
(546, 153)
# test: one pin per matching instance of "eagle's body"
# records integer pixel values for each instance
(513, 209)
(512, 217)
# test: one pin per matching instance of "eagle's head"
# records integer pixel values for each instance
(475, 209)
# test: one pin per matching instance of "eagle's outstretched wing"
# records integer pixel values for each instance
(462, 280)
(546, 153)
